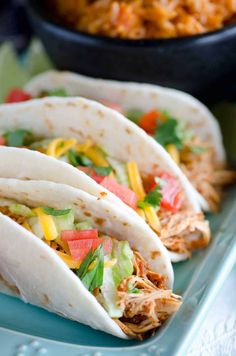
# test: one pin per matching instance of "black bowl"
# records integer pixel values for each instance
(203, 65)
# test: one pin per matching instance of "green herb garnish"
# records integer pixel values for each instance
(55, 92)
(153, 198)
(170, 132)
(198, 149)
(54, 212)
(132, 289)
(78, 159)
(134, 115)
(18, 138)
(103, 171)
(94, 278)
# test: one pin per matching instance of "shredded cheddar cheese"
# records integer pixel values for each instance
(47, 224)
(135, 180)
(173, 152)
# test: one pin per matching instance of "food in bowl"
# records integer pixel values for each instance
(144, 19)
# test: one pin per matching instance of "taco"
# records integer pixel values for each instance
(116, 154)
(179, 122)
(70, 253)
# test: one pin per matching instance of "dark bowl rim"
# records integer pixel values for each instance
(78, 36)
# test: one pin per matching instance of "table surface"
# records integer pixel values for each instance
(217, 336)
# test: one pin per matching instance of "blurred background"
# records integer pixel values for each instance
(14, 25)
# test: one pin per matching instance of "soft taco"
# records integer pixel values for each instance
(70, 253)
(179, 122)
(116, 154)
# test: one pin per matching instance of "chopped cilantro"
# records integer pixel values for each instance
(103, 171)
(153, 198)
(18, 138)
(92, 278)
(134, 115)
(54, 212)
(198, 149)
(78, 159)
(170, 132)
(132, 289)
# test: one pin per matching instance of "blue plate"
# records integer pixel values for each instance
(26, 330)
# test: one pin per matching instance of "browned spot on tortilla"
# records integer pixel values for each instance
(42, 257)
(26, 178)
(49, 124)
(155, 254)
(100, 113)
(85, 106)
(128, 148)
(128, 130)
(99, 221)
(154, 95)
(124, 91)
(13, 288)
(48, 105)
(103, 194)
(87, 213)
(45, 299)
(101, 134)
(70, 305)
(77, 132)
(194, 109)
(71, 103)
(125, 224)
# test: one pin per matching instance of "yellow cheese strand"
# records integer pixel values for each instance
(51, 150)
(83, 147)
(135, 179)
(68, 260)
(152, 218)
(47, 224)
(67, 144)
(173, 152)
(96, 157)
(26, 226)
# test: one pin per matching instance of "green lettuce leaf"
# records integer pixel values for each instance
(124, 266)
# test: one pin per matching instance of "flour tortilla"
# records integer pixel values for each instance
(37, 274)
(139, 96)
(136, 95)
(85, 119)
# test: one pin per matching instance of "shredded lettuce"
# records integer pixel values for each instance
(83, 225)
(120, 170)
(124, 266)
(109, 297)
(65, 222)
(22, 210)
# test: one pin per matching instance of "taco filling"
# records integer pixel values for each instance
(157, 198)
(196, 158)
(118, 277)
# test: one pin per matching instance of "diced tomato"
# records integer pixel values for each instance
(125, 194)
(113, 106)
(80, 248)
(172, 198)
(17, 95)
(148, 122)
(2, 141)
(71, 235)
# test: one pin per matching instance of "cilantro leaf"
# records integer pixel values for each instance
(134, 115)
(170, 132)
(198, 149)
(18, 138)
(78, 159)
(132, 289)
(103, 171)
(153, 198)
(54, 212)
(55, 92)
(94, 278)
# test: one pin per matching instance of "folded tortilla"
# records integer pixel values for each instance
(34, 269)
(181, 229)
(201, 157)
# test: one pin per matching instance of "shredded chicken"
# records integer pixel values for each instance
(146, 310)
(184, 231)
(17, 218)
(207, 176)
